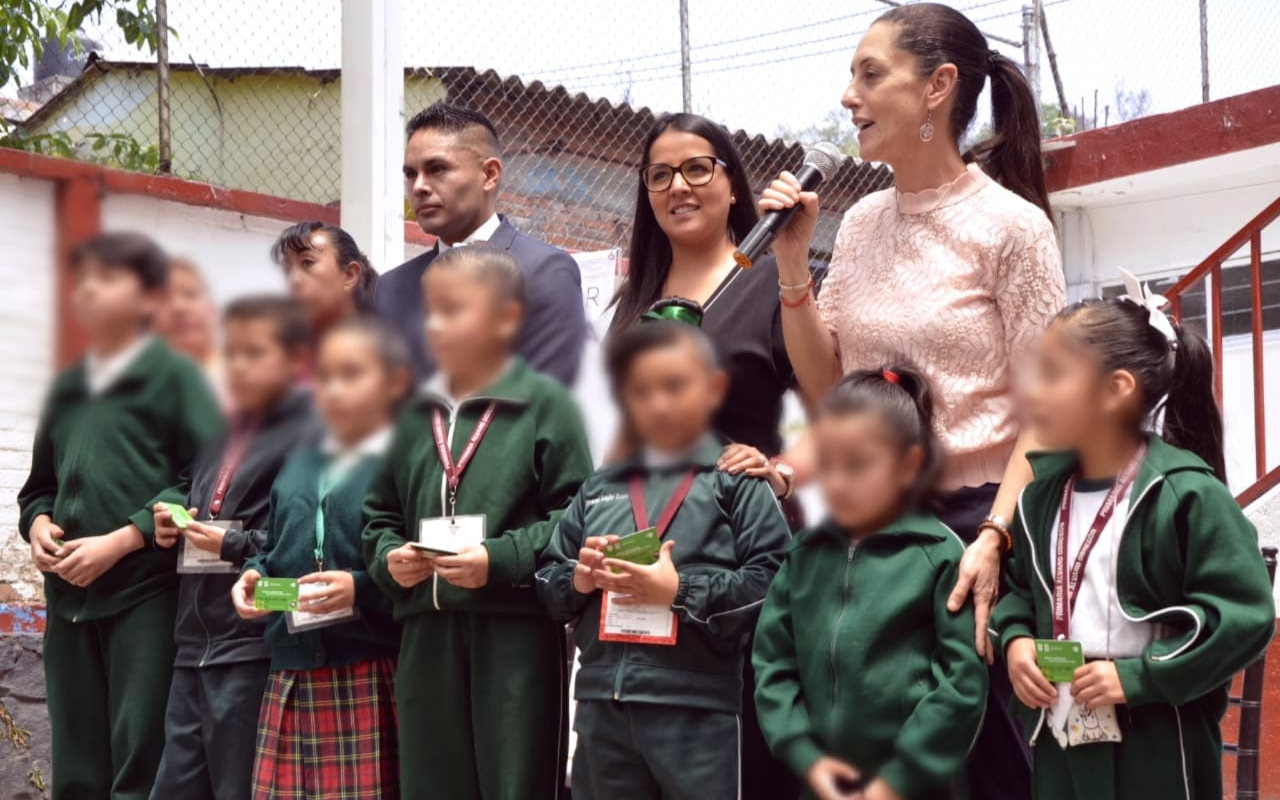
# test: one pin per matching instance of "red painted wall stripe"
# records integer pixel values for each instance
(1165, 140)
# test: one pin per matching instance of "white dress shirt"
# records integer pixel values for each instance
(482, 234)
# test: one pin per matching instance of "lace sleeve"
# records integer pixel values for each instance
(1030, 288)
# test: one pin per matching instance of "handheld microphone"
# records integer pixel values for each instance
(821, 162)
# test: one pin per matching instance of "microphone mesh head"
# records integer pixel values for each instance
(826, 158)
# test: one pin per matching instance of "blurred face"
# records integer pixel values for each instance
(670, 396)
(109, 299)
(686, 213)
(317, 280)
(258, 370)
(1070, 399)
(188, 322)
(865, 475)
(887, 99)
(354, 392)
(451, 183)
(468, 325)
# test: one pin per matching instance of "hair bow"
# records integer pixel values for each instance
(673, 313)
(1140, 294)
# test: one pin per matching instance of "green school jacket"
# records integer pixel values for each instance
(99, 463)
(1188, 560)
(290, 553)
(729, 535)
(857, 657)
(523, 475)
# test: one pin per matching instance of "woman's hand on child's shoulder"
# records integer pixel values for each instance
(653, 584)
(242, 595)
(1029, 683)
(590, 559)
(745, 458)
(409, 566)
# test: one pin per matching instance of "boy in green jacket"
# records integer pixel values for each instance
(1129, 550)
(866, 685)
(663, 615)
(117, 428)
(482, 465)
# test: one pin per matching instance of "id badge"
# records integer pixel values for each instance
(298, 621)
(445, 536)
(639, 624)
(1059, 659)
(193, 560)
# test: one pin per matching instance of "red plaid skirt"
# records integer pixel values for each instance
(329, 734)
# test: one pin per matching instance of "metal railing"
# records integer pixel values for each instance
(1211, 268)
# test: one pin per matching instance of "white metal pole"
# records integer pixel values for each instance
(372, 129)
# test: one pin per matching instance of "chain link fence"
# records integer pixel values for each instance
(573, 85)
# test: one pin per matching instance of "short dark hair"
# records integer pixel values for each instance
(900, 395)
(488, 262)
(389, 343)
(286, 315)
(297, 238)
(453, 119)
(624, 347)
(133, 252)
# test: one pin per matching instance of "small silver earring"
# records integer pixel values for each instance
(733, 198)
(926, 130)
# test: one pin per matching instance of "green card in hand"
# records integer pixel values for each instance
(276, 594)
(640, 547)
(180, 516)
(1059, 659)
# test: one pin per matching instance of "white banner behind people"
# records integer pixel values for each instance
(600, 277)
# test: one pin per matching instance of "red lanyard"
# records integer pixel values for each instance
(668, 513)
(1066, 583)
(237, 447)
(452, 471)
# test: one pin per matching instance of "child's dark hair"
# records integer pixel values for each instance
(1120, 334)
(297, 239)
(668, 322)
(900, 394)
(488, 262)
(286, 315)
(134, 252)
(389, 345)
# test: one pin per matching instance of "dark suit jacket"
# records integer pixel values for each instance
(555, 326)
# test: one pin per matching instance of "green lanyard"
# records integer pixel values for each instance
(329, 478)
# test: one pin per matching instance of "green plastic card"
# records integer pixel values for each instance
(276, 594)
(1059, 659)
(180, 516)
(640, 547)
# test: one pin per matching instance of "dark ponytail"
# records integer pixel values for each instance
(900, 394)
(297, 239)
(1118, 332)
(936, 35)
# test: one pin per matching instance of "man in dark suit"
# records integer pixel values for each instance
(452, 169)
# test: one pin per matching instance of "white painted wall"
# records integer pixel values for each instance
(26, 359)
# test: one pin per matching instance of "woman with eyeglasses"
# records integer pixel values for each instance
(693, 202)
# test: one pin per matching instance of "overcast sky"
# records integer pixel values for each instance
(757, 64)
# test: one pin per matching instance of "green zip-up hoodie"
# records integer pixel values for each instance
(1188, 561)
(857, 657)
(729, 536)
(290, 553)
(525, 471)
(100, 462)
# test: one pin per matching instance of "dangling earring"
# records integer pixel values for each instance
(733, 198)
(926, 130)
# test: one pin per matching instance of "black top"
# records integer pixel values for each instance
(744, 319)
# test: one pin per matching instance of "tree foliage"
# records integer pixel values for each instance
(25, 26)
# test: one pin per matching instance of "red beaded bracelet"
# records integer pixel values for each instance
(808, 293)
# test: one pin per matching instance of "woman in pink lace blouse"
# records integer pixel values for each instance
(957, 269)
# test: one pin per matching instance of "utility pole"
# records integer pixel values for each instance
(1053, 65)
(164, 135)
(686, 82)
(1204, 51)
(1031, 46)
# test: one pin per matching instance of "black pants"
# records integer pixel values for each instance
(210, 731)
(999, 766)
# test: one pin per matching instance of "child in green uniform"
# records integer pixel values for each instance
(326, 727)
(866, 685)
(483, 463)
(117, 428)
(662, 616)
(1131, 552)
